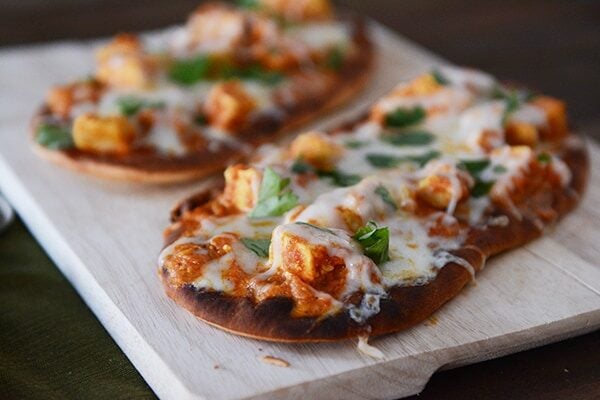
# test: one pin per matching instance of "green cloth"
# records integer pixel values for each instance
(51, 345)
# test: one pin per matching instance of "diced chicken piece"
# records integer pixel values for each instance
(317, 150)
(61, 99)
(242, 184)
(112, 134)
(228, 106)
(123, 63)
(423, 85)
(556, 113)
(299, 10)
(443, 185)
(521, 133)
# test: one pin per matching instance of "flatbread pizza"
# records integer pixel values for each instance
(369, 228)
(208, 93)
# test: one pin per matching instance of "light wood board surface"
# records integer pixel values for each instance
(106, 236)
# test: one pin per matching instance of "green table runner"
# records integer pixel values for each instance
(51, 345)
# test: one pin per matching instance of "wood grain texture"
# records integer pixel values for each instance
(105, 237)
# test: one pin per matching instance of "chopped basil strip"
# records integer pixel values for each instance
(301, 167)
(544, 158)
(439, 77)
(340, 178)
(409, 138)
(259, 246)
(386, 196)
(513, 99)
(274, 196)
(129, 105)
(190, 71)
(499, 169)
(390, 161)
(337, 177)
(335, 58)
(474, 167)
(374, 241)
(54, 137)
(355, 144)
(249, 4)
(403, 117)
(253, 73)
(481, 188)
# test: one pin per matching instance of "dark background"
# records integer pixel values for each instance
(551, 46)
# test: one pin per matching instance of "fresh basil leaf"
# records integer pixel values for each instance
(187, 72)
(390, 161)
(355, 144)
(54, 137)
(409, 138)
(424, 158)
(335, 58)
(544, 158)
(481, 188)
(274, 196)
(386, 196)
(513, 99)
(403, 117)
(474, 167)
(130, 105)
(439, 77)
(301, 167)
(340, 178)
(259, 246)
(249, 4)
(374, 241)
(499, 169)
(253, 73)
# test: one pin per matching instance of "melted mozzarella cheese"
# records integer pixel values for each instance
(321, 35)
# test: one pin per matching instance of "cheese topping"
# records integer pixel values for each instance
(338, 220)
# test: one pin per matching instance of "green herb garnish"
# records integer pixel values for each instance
(259, 246)
(301, 167)
(200, 119)
(409, 138)
(481, 188)
(54, 137)
(499, 169)
(403, 117)
(386, 196)
(337, 177)
(335, 58)
(390, 161)
(253, 73)
(439, 77)
(187, 72)
(249, 4)
(129, 105)
(513, 99)
(374, 242)
(340, 178)
(544, 158)
(274, 196)
(355, 144)
(474, 167)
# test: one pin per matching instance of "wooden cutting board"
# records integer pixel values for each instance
(106, 236)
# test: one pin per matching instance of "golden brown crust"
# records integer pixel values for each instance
(152, 168)
(405, 306)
